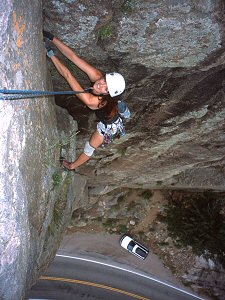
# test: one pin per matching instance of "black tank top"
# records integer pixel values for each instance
(102, 116)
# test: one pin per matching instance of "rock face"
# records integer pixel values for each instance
(37, 197)
(172, 57)
(207, 275)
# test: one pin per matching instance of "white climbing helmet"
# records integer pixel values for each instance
(115, 83)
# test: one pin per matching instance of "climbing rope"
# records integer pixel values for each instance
(25, 94)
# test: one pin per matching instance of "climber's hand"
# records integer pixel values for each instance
(68, 165)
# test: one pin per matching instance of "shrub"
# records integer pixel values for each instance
(120, 199)
(197, 221)
(122, 228)
(131, 205)
(128, 6)
(57, 179)
(109, 223)
(105, 31)
(57, 218)
(147, 194)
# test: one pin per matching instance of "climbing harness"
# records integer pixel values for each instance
(115, 128)
(112, 131)
(26, 94)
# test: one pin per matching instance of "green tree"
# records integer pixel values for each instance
(197, 221)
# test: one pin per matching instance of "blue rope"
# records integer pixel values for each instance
(25, 94)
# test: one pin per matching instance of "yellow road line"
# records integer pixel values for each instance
(93, 284)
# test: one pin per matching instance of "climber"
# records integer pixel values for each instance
(111, 83)
(111, 125)
(109, 111)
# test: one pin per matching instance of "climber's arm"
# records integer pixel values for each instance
(93, 73)
(88, 99)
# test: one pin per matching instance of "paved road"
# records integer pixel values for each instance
(106, 246)
(80, 278)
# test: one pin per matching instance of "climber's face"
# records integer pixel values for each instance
(100, 87)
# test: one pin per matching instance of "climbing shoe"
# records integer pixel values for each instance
(48, 35)
(50, 51)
